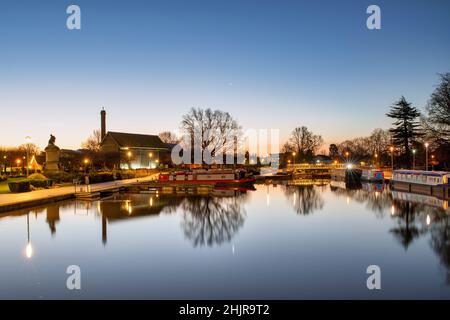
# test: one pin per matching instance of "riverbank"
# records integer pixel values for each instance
(17, 201)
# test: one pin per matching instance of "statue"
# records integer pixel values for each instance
(52, 140)
(52, 154)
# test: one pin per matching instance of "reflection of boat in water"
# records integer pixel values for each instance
(433, 183)
(350, 185)
(217, 177)
(372, 187)
(421, 199)
(350, 175)
(273, 174)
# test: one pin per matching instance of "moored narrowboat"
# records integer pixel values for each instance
(372, 175)
(216, 177)
(434, 183)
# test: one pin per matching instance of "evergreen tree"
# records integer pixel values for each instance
(406, 127)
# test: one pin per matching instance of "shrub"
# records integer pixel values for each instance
(19, 186)
(3, 178)
(100, 177)
(37, 176)
(62, 177)
(41, 183)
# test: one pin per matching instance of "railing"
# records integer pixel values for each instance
(309, 166)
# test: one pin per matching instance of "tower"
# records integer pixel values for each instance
(103, 123)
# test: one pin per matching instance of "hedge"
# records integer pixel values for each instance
(41, 183)
(19, 186)
(100, 177)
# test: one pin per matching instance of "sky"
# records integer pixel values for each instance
(271, 64)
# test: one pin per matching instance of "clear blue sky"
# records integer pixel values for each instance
(271, 64)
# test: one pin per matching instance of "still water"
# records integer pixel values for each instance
(311, 240)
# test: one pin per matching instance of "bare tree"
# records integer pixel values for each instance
(32, 148)
(169, 137)
(305, 142)
(93, 142)
(438, 108)
(216, 130)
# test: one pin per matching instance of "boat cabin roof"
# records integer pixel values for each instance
(423, 173)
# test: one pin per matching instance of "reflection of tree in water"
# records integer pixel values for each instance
(406, 230)
(440, 241)
(378, 202)
(304, 198)
(212, 220)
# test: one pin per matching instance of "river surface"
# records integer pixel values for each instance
(314, 240)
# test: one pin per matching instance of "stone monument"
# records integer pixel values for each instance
(52, 156)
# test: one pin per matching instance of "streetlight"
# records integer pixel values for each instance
(28, 140)
(18, 162)
(432, 162)
(293, 156)
(392, 159)
(86, 162)
(376, 159)
(414, 159)
(150, 154)
(129, 154)
(347, 154)
(426, 156)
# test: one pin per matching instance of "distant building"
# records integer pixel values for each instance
(134, 151)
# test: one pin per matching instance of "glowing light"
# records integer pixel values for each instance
(349, 166)
(392, 210)
(295, 197)
(129, 153)
(29, 250)
(151, 202)
(157, 160)
(348, 200)
(150, 154)
(86, 161)
(18, 161)
(428, 220)
(426, 144)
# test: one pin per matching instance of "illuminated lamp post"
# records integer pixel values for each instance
(414, 159)
(28, 139)
(392, 159)
(426, 156)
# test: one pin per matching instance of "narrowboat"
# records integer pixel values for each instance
(217, 177)
(429, 178)
(372, 175)
(434, 183)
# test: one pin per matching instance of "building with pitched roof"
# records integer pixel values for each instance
(132, 151)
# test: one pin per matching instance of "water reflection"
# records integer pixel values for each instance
(305, 197)
(212, 220)
(440, 242)
(376, 196)
(209, 219)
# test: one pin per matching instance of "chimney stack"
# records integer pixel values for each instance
(103, 125)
